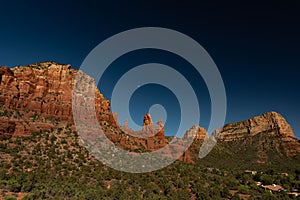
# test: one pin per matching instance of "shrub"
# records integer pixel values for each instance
(8, 197)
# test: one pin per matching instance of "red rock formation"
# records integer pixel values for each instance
(187, 157)
(45, 89)
(126, 129)
(150, 138)
(148, 120)
(5, 71)
(160, 129)
(126, 123)
(198, 135)
(148, 126)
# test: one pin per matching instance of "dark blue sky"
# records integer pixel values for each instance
(255, 46)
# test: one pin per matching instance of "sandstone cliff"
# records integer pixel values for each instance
(39, 97)
(196, 132)
(270, 129)
(272, 123)
(41, 94)
(44, 88)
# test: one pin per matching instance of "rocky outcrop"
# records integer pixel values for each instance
(196, 132)
(260, 140)
(148, 130)
(271, 123)
(198, 135)
(39, 96)
(268, 134)
(148, 126)
(160, 130)
(45, 88)
(148, 120)
(150, 138)
(5, 71)
(44, 91)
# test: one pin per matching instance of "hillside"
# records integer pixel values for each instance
(43, 157)
(261, 142)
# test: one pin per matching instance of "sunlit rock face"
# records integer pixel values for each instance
(197, 133)
(271, 123)
(44, 92)
(40, 96)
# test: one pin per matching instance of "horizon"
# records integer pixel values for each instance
(255, 47)
(156, 119)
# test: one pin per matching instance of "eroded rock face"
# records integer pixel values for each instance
(148, 126)
(265, 136)
(150, 138)
(148, 120)
(196, 132)
(46, 90)
(149, 130)
(270, 130)
(43, 89)
(198, 135)
(5, 71)
(271, 123)
(160, 129)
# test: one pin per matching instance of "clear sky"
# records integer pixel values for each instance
(254, 45)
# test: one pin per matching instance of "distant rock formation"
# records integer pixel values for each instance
(154, 137)
(126, 123)
(267, 127)
(148, 120)
(196, 132)
(148, 126)
(265, 136)
(39, 97)
(160, 129)
(271, 123)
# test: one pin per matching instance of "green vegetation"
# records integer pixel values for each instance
(42, 65)
(53, 165)
(8, 197)
(240, 155)
(6, 113)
